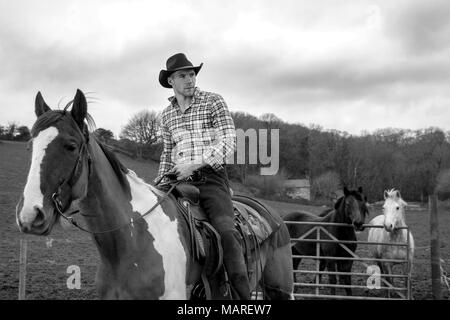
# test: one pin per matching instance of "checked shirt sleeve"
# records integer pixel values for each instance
(165, 163)
(217, 154)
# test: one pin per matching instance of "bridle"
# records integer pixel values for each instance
(64, 190)
(59, 208)
(363, 210)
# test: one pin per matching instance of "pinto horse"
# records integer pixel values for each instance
(350, 209)
(142, 240)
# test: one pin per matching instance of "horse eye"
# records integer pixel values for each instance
(398, 208)
(70, 147)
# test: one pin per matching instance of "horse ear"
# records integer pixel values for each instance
(346, 192)
(385, 194)
(40, 107)
(360, 190)
(79, 108)
(397, 194)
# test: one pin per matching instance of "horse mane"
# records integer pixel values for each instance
(119, 169)
(89, 120)
(50, 117)
(46, 119)
(353, 193)
(392, 194)
(338, 202)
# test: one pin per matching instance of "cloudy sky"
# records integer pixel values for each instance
(346, 65)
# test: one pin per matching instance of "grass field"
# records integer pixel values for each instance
(49, 257)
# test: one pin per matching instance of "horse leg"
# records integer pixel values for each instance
(390, 279)
(322, 267)
(383, 270)
(277, 279)
(295, 261)
(331, 266)
(345, 266)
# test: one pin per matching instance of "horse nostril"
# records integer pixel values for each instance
(40, 217)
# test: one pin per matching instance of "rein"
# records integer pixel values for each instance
(74, 223)
(67, 184)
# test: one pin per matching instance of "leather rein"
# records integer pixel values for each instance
(67, 184)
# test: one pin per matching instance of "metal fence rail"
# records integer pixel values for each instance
(320, 228)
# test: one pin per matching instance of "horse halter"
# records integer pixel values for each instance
(362, 212)
(62, 197)
(65, 189)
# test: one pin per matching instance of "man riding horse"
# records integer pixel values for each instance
(198, 136)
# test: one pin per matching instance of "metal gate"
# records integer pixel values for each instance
(400, 292)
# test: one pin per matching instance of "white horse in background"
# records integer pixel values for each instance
(393, 218)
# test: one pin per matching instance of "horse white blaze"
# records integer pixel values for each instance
(167, 240)
(33, 197)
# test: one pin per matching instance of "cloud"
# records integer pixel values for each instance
(310, 62)
(421, 27)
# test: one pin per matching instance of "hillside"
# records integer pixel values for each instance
(49, 257)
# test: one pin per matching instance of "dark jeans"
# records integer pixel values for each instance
(215, 199)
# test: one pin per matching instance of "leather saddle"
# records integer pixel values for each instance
(253, 221)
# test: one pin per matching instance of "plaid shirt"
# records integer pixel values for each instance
(204, 130)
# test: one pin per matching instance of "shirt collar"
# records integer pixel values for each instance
(173, 99)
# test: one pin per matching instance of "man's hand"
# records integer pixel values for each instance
(186, 169)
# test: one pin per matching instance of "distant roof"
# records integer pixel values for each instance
(296, 183)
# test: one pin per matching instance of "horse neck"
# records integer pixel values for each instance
(339, 215)
(106, 206)
(401, 217)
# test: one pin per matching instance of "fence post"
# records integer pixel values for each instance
(434, 244)
(22, 269)
(318, 260)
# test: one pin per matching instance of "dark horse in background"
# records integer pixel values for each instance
(143, 241)
(350, 209)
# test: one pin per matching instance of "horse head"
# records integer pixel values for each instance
(393, 210)
(354, 207)
(59, 165)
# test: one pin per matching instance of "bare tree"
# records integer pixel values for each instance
(141, 128)
(270, 118)
(326, 185)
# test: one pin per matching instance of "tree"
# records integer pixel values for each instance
(2, 132)
(104, 135)
(10, 131)
(141, 128)
(271, 118)
(23, 134)
(443, 182)
(326, 185)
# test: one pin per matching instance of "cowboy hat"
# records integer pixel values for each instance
(174, 63)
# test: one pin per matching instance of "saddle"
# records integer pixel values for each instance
(253, 221)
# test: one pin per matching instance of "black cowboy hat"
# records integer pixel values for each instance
(174, 63)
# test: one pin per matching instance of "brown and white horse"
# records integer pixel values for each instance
(142, 241)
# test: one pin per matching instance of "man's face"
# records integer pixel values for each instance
(183, 82)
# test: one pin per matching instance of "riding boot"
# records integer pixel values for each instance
(235, 265)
